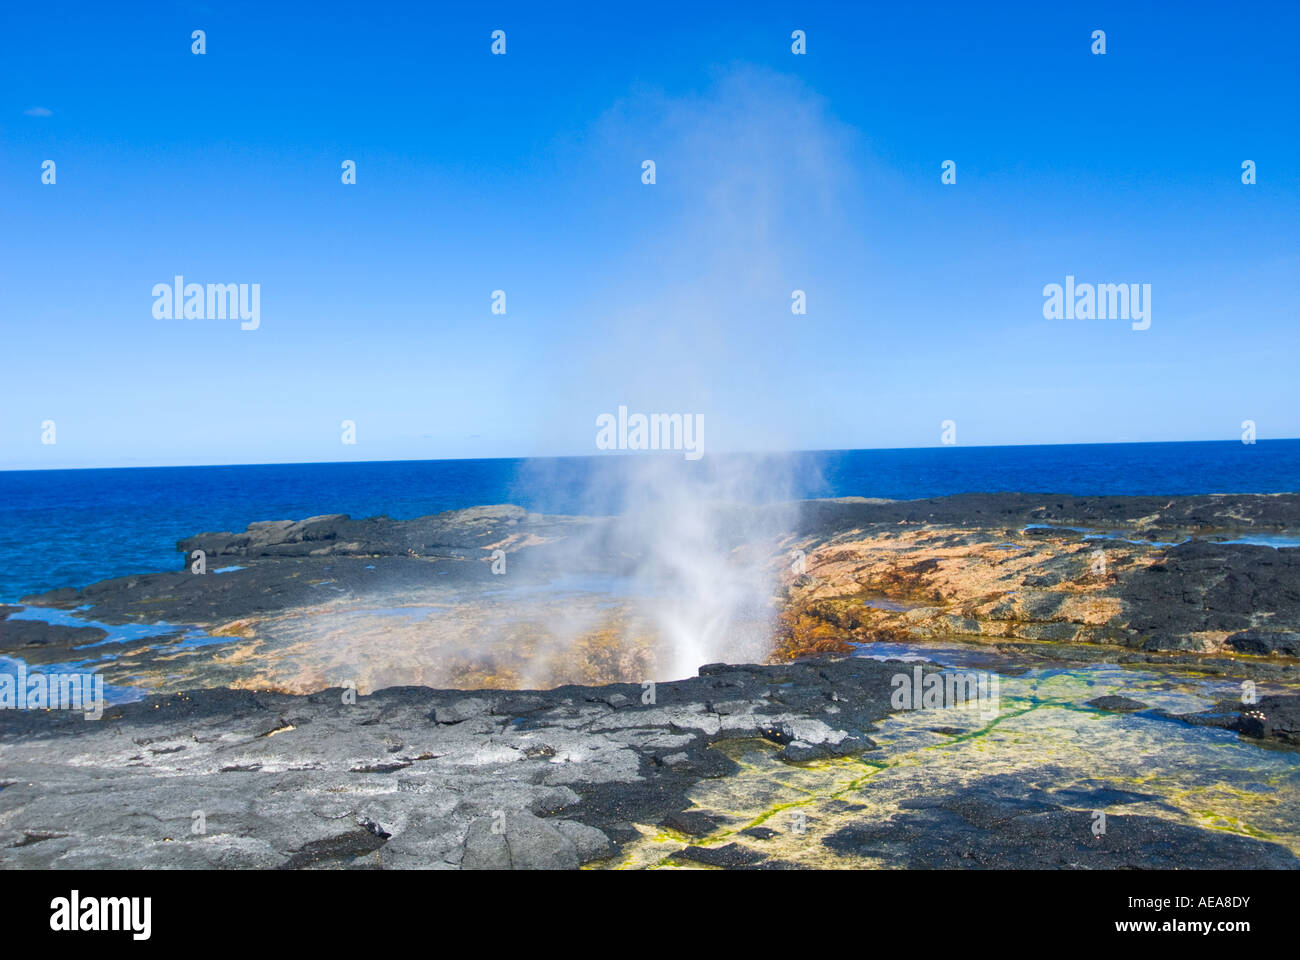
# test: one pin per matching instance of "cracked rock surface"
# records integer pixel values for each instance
(406, 777)
(418, 778)
(1092, 610)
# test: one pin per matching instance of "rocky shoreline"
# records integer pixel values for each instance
(1129, 619)
(1161, 576)
(417, 778)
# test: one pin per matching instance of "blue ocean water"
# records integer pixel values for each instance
(72, 527)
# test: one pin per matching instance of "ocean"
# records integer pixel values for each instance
(73, 527)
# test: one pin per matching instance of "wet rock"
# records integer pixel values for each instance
(1100, 796)
(809, 732)
(1116, 704)
(1266, 642)
(25, 637)
(799, 751)
(1002, 823)
(373, 536)
(1048, 631)
(730, 855)
(338, 850)
(692, 823)
(1271, 718)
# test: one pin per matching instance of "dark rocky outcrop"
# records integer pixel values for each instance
(1212, 586)
(1275, 717)
(39, 642)
(1266, 642)
(1007, 824)
(1117, 704)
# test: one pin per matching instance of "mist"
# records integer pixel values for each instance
(747, 179)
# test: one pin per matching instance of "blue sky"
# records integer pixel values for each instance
(522, 172)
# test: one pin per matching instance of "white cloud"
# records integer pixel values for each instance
(38, 112)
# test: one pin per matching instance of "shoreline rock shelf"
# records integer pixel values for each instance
(419, 778)
(1121, 628)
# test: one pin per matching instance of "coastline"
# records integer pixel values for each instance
(1121, 631)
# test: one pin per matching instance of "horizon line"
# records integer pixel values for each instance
(627, 454)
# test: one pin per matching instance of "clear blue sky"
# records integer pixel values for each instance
(775, 172)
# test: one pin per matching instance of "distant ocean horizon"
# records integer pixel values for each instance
(70, 527)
